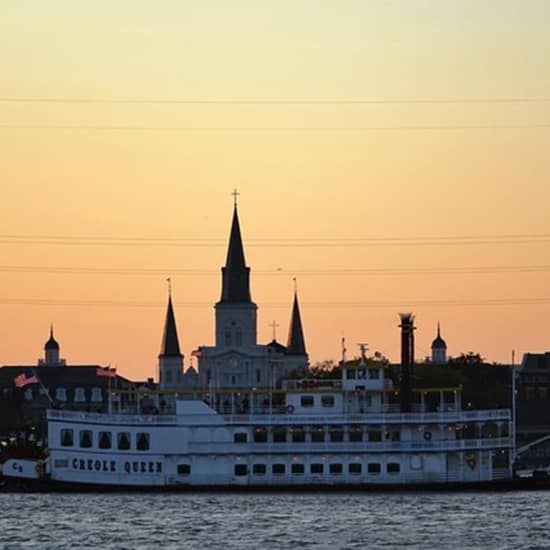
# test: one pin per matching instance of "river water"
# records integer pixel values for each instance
(277, 520)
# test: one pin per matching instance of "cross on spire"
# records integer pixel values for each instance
(274, 326)
(235, 195)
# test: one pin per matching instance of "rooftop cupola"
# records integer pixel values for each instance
(439, 348)
(51, 352)
(51, 344)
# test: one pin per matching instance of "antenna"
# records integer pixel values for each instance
(363, 347)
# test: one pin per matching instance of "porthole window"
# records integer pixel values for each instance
(184, 469)
(316, 468)
(85, 439)
(374, 468)
(327, 400)
(142, 442)
(240, 437)
(104, 440)
(307, 401)
(123, 441)
(66, 438)
(259, 469)
(241, 469)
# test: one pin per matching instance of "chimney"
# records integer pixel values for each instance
(407, 360)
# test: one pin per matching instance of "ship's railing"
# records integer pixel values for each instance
(372, 418)
(78, 416)
(351, 447)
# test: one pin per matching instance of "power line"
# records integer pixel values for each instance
(458, 270)
(498, 302)
(277, 243)
(344, 101)
(276, 129)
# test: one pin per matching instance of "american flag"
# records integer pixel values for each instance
(27, 377)
(106, 371)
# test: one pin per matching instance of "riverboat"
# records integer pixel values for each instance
(347, 432)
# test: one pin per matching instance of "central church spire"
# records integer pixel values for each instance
(235, 274)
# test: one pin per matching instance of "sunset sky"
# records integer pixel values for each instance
(337, 123)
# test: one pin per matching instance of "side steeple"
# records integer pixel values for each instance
(235, 274)
(296, 344)
(170, 346)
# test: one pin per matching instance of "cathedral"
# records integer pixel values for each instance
(236, 360)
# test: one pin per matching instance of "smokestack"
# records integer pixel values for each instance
(407, 360)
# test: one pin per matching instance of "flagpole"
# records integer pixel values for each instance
(52, 403)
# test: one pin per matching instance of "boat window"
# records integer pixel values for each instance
(86, 439)
(298, 469)
(142, 442)
(375, 435)
(336, 433)
(355, 433)
(240, 437)
(279, 434)
(374, 468)
(241, 469)
(354, 468)
(317, 434)
(307, 401)
(259, 469)
(393, 467)
(104, 440)
(336, 468)
(123, 441)
(278, 469)
(184, 469)
(316, 468)
(298, 434)
(327, 400)
(66, 438)
(260, 435)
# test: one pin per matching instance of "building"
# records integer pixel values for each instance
(77, 387)
(237, 360)
(439, 349)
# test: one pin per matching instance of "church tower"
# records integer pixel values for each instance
(439, 349)
(170, 357)
(236, 323)
(51, 352)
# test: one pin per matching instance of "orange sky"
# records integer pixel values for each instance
(113, 184)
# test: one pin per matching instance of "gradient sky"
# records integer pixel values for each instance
(294, 184)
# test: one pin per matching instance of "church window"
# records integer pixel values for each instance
(168, 377)
(79, 395)
(123, 441)
(104, 440)
(227, 337)
(258, 376)
(85, 439)
(96, 395)
(66, 438)
(232, 380)
(61, 394)
(239, 337)
(142, 442)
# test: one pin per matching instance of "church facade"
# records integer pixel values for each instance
(236, 360)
